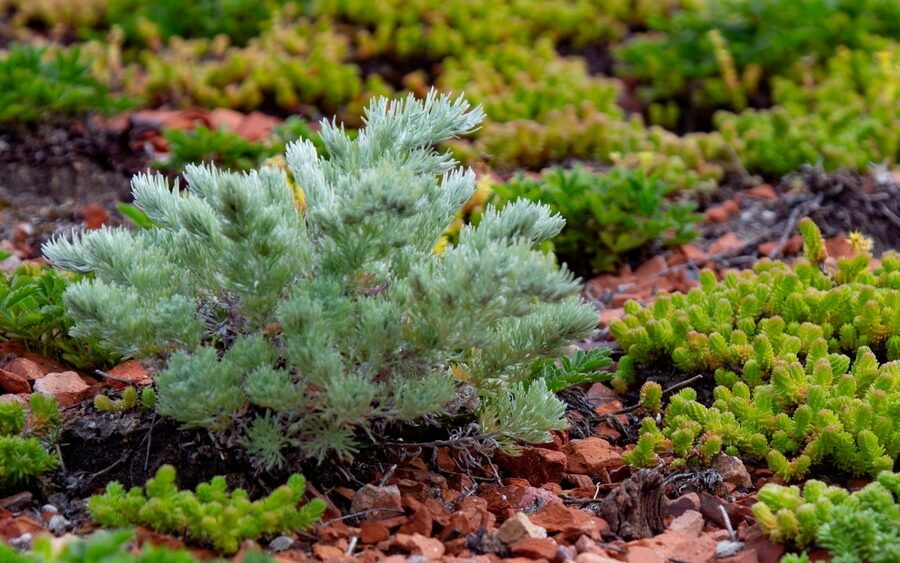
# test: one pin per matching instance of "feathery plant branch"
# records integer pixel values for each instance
(296, 326)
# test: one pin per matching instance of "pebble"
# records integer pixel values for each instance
(281, 543)
(58, 524)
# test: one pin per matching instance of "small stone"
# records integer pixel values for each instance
(419, 522)
(256, 126)
(584, 544)
(743, 556)
(534, 548)
(680, 547)
(557, 517)
(591, 455)
(328, 552)
(726, 243)
(519, 527)
(222, 118)
(15, 502)
(21, 398)
(554, 488)
(131, 371)
(682, 504)
(22, 542)
(639, 554)
(609, 315)
(372, 532)
(728, 548)
(578, 481)
(281, 543)
(732, 470)
(95, 216)
(593, 527)
(722, 212)
(565, 553)
(58, 524)
(417, 544)
(12, 382)
(25, 367)
(690, 524)
(538, 465)
(67, 387)
(588, 557)
(710, 508)
(651, 267)
(377, 502)
(763, 192)
(693, 253)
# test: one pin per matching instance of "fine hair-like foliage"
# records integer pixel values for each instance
(297, 326)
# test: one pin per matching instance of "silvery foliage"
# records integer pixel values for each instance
(297, 328)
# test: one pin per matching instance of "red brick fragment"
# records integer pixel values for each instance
(534, 548)
(537, 465)
(722, 212)
(764, 192)
(728, 242)
(67, 387)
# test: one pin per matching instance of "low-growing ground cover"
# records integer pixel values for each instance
(381, 300)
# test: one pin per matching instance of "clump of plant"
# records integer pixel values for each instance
(211, 513)
(859, 526)
(106, 547)
(154, 22)
(434, 29)
(721, 54)
(299, 327)
(581, 367)
(129, 400)
(294, 65)
(778, 341)
(516, 81)
(607, 215)
(585, 133)
(39, 83)
(841, 116)
(25, 437)
(32, 311)
(219, 146)
(229, 150)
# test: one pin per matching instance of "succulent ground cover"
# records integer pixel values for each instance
(250, 311)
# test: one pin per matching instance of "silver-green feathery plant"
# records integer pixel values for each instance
(296, 328)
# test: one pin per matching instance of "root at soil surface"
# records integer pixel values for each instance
(635, 509)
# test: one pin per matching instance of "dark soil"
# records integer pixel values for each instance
(839, 202)
(49, 173)
(598, 56)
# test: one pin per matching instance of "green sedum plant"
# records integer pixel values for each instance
(155, 21)
(841, 116)
(23, 452)
(32, 311)
(298, 328)
(100, 547)
(223, 148)
(607, 215)
(794, 351)
(583, 132)
(859, 526)
(228, 150)
(581, 367)
(129, 400)
(37, 83)
(720, 54)
(213, 514)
